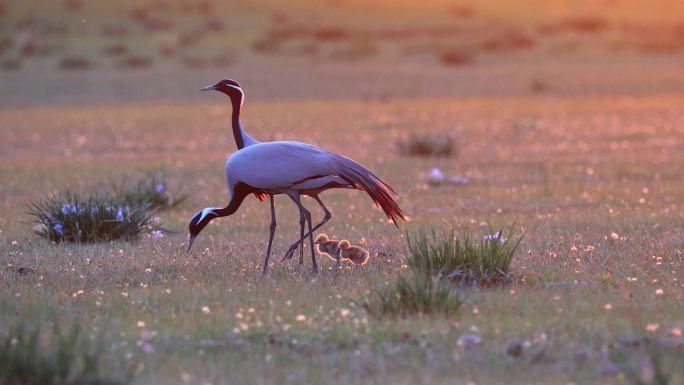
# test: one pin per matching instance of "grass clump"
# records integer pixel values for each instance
(102, 216)
(28, 358)
(464, 260)
(417, 294)
(440, 264)
(97, 217)
(443, 144)
(152, 191)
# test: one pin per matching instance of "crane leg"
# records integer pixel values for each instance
(270, 238)
(311, 240)
(307, 215)
(302, 221)
(325, 219)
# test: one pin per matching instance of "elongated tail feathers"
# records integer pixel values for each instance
(363, 179)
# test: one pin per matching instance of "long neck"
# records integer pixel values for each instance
(240, 191)
(242, 140)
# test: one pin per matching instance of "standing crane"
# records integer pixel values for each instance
(290, 168)
(242, 139)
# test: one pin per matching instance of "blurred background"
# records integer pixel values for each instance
(101, 51)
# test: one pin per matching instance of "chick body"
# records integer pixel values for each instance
(356, 254)
(328, 247)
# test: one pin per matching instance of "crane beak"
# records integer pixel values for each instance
(190, 241)
(209, 88)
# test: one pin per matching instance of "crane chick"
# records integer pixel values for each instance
(358, 255)
(328, 247)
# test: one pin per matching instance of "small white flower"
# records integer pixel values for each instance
(495, 237)
(156, 234)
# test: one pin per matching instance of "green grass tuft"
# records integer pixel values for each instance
(465, 261)
(102, 216)
(96, 217)
(152, 190)
(418, 294)
(26, 358)
(439, 264)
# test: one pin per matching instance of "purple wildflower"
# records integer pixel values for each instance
(69, 208)
(119, 215)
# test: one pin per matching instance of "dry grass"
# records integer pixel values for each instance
(595, 183)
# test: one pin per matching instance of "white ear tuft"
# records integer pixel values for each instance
(205, 212)
(236, 88)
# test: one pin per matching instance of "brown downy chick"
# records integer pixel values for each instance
(328, 247)
(358, 255)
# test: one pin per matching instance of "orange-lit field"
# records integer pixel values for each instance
(568, 119)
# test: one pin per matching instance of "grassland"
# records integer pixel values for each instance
(594, 184)
(578, 138)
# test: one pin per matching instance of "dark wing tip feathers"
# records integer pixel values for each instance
(364, 180)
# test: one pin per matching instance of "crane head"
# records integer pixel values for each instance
(228, 86)
(198, 222)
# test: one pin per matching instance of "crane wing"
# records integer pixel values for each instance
(285, 166)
